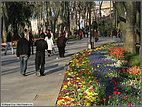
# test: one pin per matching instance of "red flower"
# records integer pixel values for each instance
(107, 76)
(132, 83)
(95, 79)
(131, 86)
(117, 84)
(68, 104)
(115, 92)
(129, 104)
(114, 88)
(88, 84)
(109, 97)
(87, 71)
(119, 76)
(66, 99)
(125, 97)
(104, 99)
(119, 93)
(96, 82)
(117, 89)
(129, 82)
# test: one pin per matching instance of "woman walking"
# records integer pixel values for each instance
(61, 44)
(49, 41)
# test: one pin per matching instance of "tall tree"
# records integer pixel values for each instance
(130, 27)
(4, 18)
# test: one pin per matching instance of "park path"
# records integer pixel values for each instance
(41, 91)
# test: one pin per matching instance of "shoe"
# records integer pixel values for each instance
(37, 73)
(42, 74)
(24, 74)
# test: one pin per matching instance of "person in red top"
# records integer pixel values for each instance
(80, 34)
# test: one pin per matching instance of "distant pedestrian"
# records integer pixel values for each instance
(120, 35)
(49, 41)
(41, 45)
(80, 34)
(9, 43)
(52, 36)
(114, 33)
(31, 41)
(26, 34)
(66, 36)
(23, 53)
(61, 44)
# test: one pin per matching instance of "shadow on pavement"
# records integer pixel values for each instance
(54, 70)
(9, 61)
(10, 71)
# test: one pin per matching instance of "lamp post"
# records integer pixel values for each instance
(90, 24)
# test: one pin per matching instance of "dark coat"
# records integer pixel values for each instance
(41, 45)
(61, 41)
(9, 37)
(23, 47)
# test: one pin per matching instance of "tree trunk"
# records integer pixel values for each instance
(130, 22)
(79, 20)
(68, 21)
(122, 19)
(4, 22)
(137, 25)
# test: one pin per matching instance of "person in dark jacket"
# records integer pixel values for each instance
(9, 42)
(61, 44)
(31, 41)
(23, 53)
(41, 45)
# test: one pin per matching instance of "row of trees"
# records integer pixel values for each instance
(57, 15)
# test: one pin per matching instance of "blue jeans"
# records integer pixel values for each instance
(23, 64)
(8, 44)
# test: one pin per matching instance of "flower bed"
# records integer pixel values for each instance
(92, 80)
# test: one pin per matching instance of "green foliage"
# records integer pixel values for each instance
(19, 12)
(71, 37)
(94, 25)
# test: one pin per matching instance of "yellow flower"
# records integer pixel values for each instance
(59, 102)
(88, 104)
(98, 65)
(90, 81)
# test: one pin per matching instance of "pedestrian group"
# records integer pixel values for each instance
(45, 42)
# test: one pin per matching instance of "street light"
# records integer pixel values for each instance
(90, 24)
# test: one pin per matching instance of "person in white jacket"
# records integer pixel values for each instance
(49, 41)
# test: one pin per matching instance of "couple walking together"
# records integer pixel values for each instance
(23, 52)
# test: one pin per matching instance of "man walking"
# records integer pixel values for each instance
(41, 45)
(23, 53)
(9, 42)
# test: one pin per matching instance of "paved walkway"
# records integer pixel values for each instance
(41, 91)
